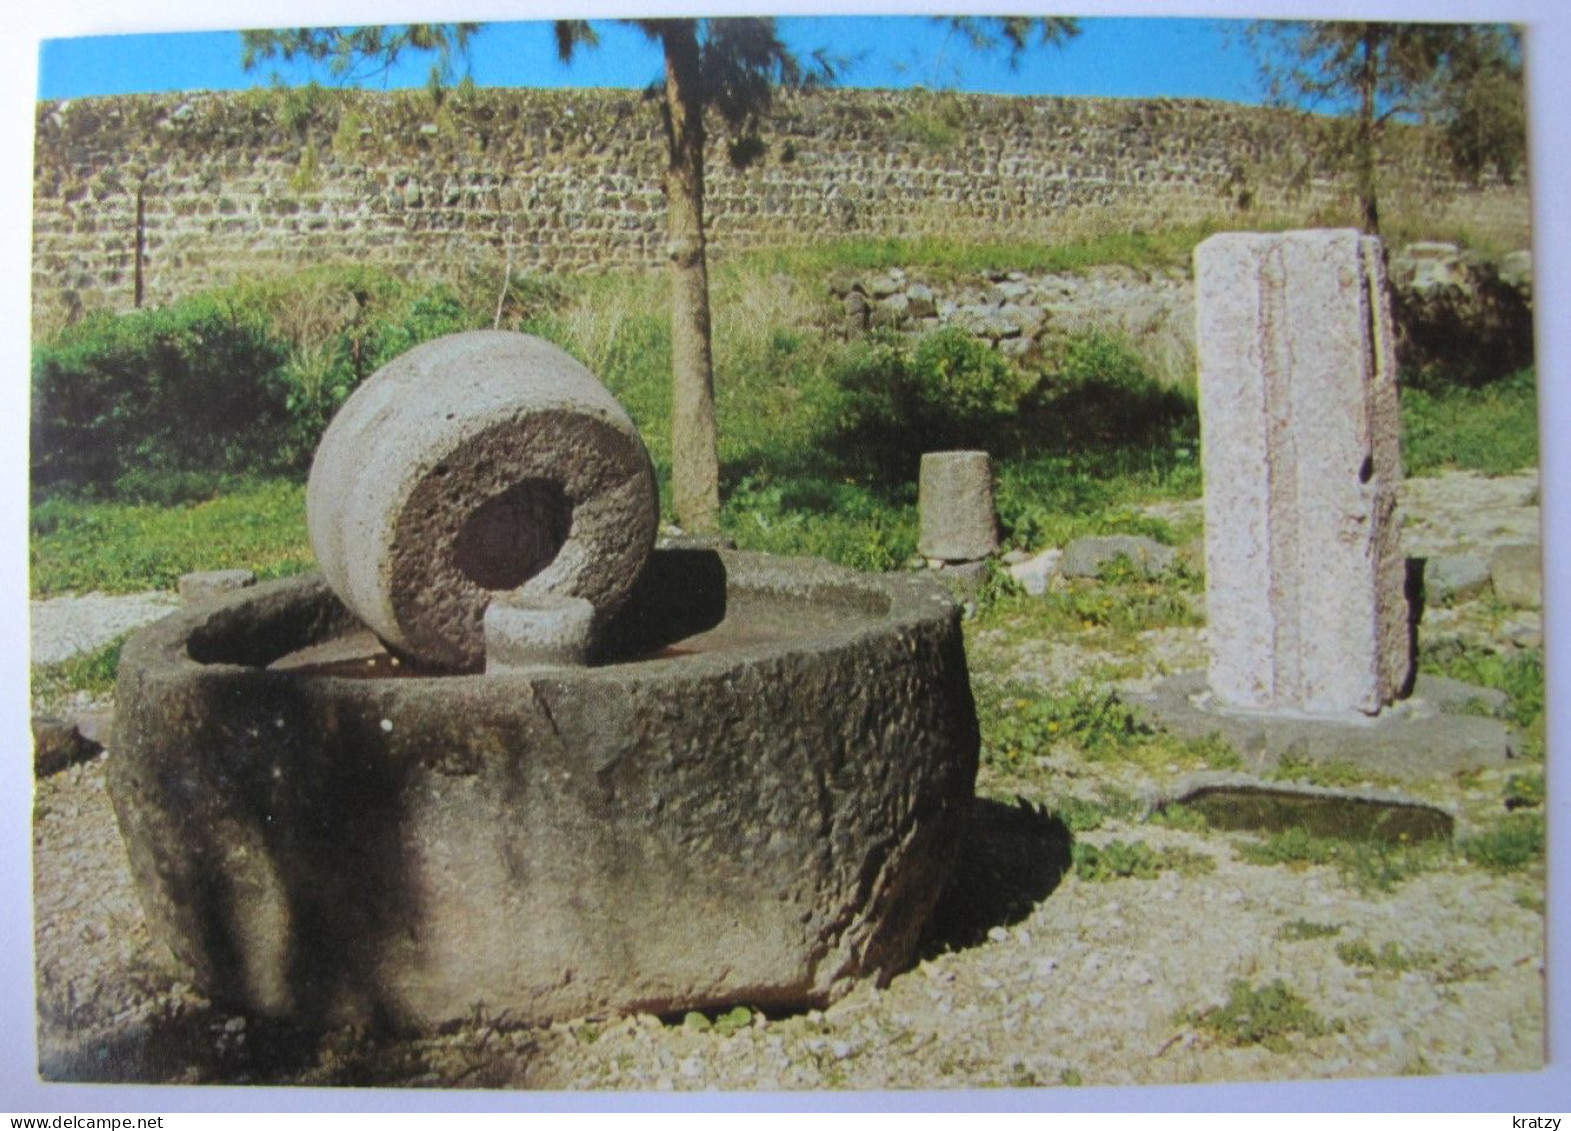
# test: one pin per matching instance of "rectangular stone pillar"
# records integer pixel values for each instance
(1300, 439)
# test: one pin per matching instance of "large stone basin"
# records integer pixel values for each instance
(753, 797)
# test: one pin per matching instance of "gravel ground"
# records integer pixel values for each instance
(66, 625)
(1030, 976)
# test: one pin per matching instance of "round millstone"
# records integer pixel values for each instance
(478, 464)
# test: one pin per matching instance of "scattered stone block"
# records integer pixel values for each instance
(524, 631)
(58, 743)
(1034, 574)
(207, 584)
(1518, 572)
(963, 578)
(955, 496)
(1454, 577)
(1087, 557)
(1300, 450)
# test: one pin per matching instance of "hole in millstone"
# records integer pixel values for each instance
(514, 536)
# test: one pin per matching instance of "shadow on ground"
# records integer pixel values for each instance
(1011, 858)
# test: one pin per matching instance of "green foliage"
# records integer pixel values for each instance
(1525, 791)
(940, 256)
(430, 315)
(1303, 930)
(1514, 844)
(1120, 860)
(1184, 817)
(184, 388)
(1080, 815)
(1389, 958)
(1332, 774)
(1492, 428)
(127, 548)
(177, 403)
(1019, 725)
(936, 121)
(1369, 865)
(843, 522)
(897, 401)
(1269, 1016)
(1519, 674)
(92, 672)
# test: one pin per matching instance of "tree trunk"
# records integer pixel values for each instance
(1365, 157)
(695, 449)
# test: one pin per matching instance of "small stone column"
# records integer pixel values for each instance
(1300, 435)
(528, 631)
(955, 497)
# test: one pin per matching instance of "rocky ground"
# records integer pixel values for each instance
(1036, 973)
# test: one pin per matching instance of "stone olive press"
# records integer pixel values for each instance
(504, 753)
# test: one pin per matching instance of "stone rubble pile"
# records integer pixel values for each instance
(1448, 306)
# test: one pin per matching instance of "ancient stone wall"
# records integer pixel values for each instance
(162, 195)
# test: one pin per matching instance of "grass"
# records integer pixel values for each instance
(54, 685)
(1514, 844)
(79, 547)
(1390, 958)
(1520, 675)
(1365, 864)
(1021, 723)
(1095, 438)
(1332, 774)
(1269, 1016)
(1493, 429)
(1304, 930)
(1124, 860)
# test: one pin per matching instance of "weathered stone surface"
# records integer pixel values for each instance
(955, 496)
(1239, 801)
(1454, 577)
(1300, 430)
(1434, 732)
(230, 199)
(531, 630)
(473, 465)
(762, 816)
(1035, 573)
(1518, 573)
(207, 584)
(58, 743)
(1086, 557)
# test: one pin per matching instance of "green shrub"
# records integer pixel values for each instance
(898, 401)
(1268, 1016)
(184, 388)
(1120, 860)
(1511, 846)
(1493, 429)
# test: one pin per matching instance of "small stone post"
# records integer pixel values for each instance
(955, 497)
(1300, 448)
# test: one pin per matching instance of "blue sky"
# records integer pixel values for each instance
(1112, 56)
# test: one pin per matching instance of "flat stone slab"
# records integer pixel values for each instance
(1240, 801)
(1086, 557)
(1426, 735)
